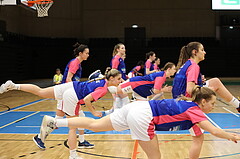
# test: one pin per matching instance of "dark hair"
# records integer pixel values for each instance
(200, 93)
(79, 48)
(168, 65)
(186, 52)
(108, 73)
(151, 53)
(157, 59)
(140, 63)
(115, 48)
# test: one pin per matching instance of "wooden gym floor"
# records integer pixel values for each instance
(15, 145)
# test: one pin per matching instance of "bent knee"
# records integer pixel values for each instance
(94, 127)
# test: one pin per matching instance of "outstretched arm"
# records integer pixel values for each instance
(207, 126)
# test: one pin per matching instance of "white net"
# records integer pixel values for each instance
(43, 7)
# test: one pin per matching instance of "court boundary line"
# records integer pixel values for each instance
(23, 105)
(19, 119)
(235, 114)
(212, 121)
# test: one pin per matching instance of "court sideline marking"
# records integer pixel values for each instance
(22, 106)
(19, 119)
(212, 121)
(231, 112)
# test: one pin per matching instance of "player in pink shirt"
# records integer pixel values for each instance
(73, 72)
(149, 85)
(149, 67)
(136, 70)
(73, 94)
(143, 118)
(156, 64)
(117, 62)
(188, 76)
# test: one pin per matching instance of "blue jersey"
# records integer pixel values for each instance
(148, 64)
(180, 80)
(136, 68)
(118, 63)
(96, 88)
(143, 85)
(173, 115)
(74, 66)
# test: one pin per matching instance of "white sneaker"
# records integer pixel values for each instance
(107, 112)
(48, 125)
(95, 74)
(9, 85)
(75, 157)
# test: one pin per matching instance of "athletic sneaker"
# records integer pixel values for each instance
(85, 145)
(38, 142)
(75, 157)
(9, 85)
(48, 125)
(95, 74)
(107, 112)
(238, 109)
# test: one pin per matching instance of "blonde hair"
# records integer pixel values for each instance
(115, 49)
(168, 65)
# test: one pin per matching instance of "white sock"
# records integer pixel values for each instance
(234, 102)
(117, 103)
(58, 117)
(39, 136)
(81, 138)
(61, 122)
(17, 86)
(125, 101)
(73, 152)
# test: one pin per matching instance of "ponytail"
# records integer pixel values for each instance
(151, 53)
(115, 49)
(78, 48)
(168, 65)
(186, 52)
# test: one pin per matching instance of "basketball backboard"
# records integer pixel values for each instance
(25, 4)
(8, 2)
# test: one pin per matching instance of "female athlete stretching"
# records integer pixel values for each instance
(188, 76)
(73, 94)
(145, 117)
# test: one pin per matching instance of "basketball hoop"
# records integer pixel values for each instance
(42, 6)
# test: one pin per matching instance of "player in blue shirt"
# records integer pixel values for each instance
(144, 86)
(145, 117)
(149, 66)
(189, 75)
(117, 61)
(136, 70)
(73, 70)
(73, 94)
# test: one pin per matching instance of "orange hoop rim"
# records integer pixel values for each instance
(31, 3)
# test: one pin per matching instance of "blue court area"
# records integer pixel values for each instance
(29, 123)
